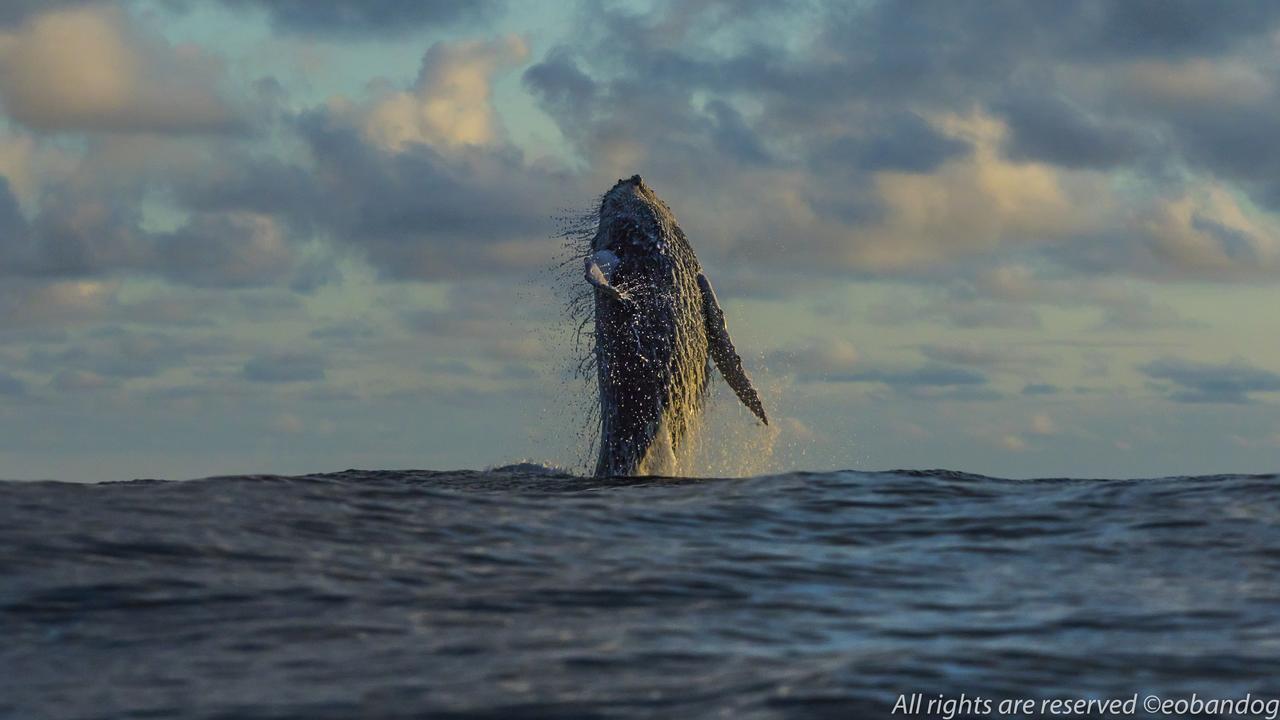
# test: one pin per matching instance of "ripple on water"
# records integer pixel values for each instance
(519, 593)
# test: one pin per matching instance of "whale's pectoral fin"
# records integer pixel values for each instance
(596, 269)
(723, 352)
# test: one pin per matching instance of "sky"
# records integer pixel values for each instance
(1018, 239)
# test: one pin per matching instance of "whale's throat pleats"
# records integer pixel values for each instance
(652, 361)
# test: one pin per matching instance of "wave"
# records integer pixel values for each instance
(525, 591)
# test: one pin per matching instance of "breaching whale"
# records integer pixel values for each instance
(658, 327)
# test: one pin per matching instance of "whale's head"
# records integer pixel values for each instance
(632, 219)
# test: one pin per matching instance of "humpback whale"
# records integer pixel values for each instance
(658, 328)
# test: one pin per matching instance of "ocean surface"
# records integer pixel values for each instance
(524, 595)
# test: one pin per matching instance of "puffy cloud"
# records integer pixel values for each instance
(88, 217)
(886, 191)
(229, 250)
(931, 381)
(15, 12)
(988, 355)
(924, 376)
(87, 237)
(450, 102)
(354, 18)
(1050, 129)
(1122, 306)
(12, 386)
(1042, 424)
(1138, 313)
(422, 182)
(88, 68)
(284, 367)
(28, 304)
(347, 332)
(974, 203)
(1208, 234)
(17, 166)
(113, 353)
(1013, 442)
(427, 213)
(902, 142)
(448, 197)
(81, 380)
(479, 320)
(1194, 83)
(820, 358)
(1232, 382)
(1013, 172)
(287, 423)
(964, 312)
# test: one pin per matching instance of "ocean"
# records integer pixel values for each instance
(513, 594)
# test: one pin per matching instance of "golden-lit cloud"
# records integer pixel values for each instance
(57, 304)
(1209, 232)
(973, 204)
(1195, 82)
(89, 68)
(450, 103)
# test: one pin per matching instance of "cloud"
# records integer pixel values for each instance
(893, 190)
(1013, 443)
(357, 18)
(88, 218)
(972, 204)
(1191, 84)
(820, 358)
(15, 12)
(74, 235)
(450, 102)
(1045, 128)
(81, 380)
(11, 386)
(92, 236)
(479, 320)
(1142, 314)
(34, 304)
(924, 376)
(908, 143)
(1042, 424)
(18, 166)
(958, 312)
(347, 332)
(87, 68)
(566, 91)
(111, 353)
(427, 213)
(226, 250)
(1233, 382)
(448, 197)
(976, 354)
(949, 373)
(1206, 233)
(902, 141)
(1122, 306)
(284, 367)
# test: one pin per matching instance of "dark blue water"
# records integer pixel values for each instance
(501, 595)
